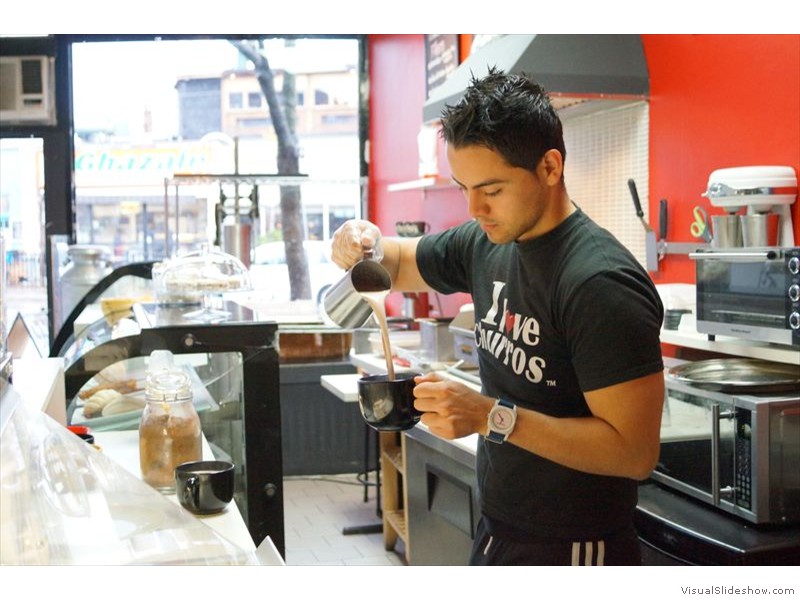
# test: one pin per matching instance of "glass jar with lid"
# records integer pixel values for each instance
(169, 432)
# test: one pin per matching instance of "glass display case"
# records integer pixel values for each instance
(234, 367)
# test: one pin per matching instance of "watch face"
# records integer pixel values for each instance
(501, 418)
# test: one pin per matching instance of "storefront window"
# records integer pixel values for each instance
(22, 232)
(147, 111)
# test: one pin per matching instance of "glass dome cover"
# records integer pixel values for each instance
(203, 271)
(196, 276)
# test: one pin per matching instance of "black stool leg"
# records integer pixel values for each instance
(374, 527)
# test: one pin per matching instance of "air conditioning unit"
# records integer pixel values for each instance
(27, 90)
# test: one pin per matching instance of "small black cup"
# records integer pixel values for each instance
(204, 487)
(388, 405)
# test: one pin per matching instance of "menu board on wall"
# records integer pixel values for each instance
(441, 59)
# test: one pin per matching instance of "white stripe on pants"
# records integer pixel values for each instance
(588, 553)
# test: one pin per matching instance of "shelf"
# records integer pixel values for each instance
(254, 179)
(395, 456)
(732, 346)
(397, 520)
(426, 183)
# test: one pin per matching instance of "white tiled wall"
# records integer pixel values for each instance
(604, 150)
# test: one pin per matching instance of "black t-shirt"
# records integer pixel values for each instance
(566, 313)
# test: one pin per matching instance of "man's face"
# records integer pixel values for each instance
(507, 202)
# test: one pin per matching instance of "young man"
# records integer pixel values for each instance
(567, 328)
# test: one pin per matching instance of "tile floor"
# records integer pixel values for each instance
(316, 511)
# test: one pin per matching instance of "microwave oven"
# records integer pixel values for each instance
(737, 452)
(749, 293)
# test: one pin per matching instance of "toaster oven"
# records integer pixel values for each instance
(749, 293)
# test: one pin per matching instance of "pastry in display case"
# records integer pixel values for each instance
(114, 398)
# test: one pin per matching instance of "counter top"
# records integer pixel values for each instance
(692, 532)
(344, 386)
(123, 448)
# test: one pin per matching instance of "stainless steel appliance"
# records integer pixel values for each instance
(749, 293)
(464, 350)
(730, 437)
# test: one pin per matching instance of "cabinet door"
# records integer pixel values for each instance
(442, 510)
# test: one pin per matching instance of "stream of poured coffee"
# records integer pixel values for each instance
(377, 301)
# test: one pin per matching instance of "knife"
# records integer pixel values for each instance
(662, 228)
(650, 246)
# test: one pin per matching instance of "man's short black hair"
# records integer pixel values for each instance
(508, 113)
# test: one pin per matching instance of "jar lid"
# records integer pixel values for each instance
(168, 385)
(87, 251)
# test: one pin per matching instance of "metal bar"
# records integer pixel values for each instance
(682, 247)
(256, 179)
(166, 217)
(715, 454)
(734, 256)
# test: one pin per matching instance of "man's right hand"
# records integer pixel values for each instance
(352, 239)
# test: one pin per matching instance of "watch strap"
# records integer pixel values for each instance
(496, 437)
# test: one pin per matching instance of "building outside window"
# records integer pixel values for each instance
(235, 100)
(254, 99)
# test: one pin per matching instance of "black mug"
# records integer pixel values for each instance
(204, 487)
(388, 405)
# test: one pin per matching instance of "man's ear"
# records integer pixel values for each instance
(553, 164)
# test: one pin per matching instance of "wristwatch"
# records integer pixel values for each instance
(502, 419)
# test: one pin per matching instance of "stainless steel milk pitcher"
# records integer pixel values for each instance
(343, 304)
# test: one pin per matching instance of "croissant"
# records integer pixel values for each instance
(97, 401)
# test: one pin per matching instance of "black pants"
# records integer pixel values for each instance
(500, 548)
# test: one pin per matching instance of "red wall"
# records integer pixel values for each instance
(397, 93)
(715, 101)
